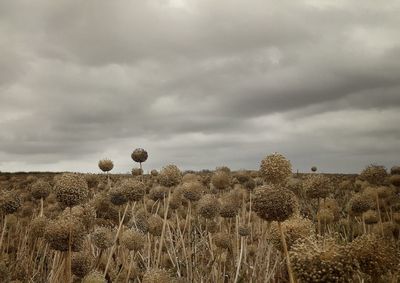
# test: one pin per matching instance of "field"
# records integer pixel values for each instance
(269, 225)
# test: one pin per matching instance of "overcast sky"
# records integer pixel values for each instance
(199, 83)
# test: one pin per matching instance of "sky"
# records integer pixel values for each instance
(199, 83)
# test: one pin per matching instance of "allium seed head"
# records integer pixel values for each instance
(106, 165)
(139, 155)
(170, 176)
(71, 189)
(40, 189)
(275, 168)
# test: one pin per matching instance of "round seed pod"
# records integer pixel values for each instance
(133, 240)
(154, 173)
(395, 170)
(71, 189)
(360, 203)
(86, 214)
(155, 225)
(224, 168)
(295, 228)
(316, 260)
(58, 231)
(102, 238)
(228, 209)
(222, 240)
(375, 255)
(141, 221)
(40, 189)
(317, 186)
(395, 180)
(272, 204)
(94, 277)
(170, 176)
(191, 177)
(159, 193)
(192, 190)
(118, 196)
(221, 180)
(38, 226)
(371, 217)
(139, 155)
(106, 165)
(9, 202)
(208, 206)
(314, 169)
(134, 189)
(137, 172)
(156, 275)
(374, 174)
(243, 231)
(275, 168)
(81, 264)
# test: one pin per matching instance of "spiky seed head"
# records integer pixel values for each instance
(136, 172)
(159, 193)
(9, 202)
(134, 189)
(133, 240)
(106, 165)
(360, 203)
(208, 206)
(317, 186)
(192, 190)
(139, 155)
(273, 204)
(395, 180)
(156, 275)
(94, 277)
(275, 168)
(314, 169)
(154, 173)
(118, 196)
(58, 232)
(374, 174)
(102, 238)
(38, 226)
(170, 176)
(40, 189)
(244, 230)
(221, 180)
(81, 264)
(155, 223)
(71, 189)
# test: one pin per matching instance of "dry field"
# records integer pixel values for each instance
(212, 226)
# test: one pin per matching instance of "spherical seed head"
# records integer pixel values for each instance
(221, 180)
(230, 204)
(154, 173)
(155, 225)
(360, 203)
(106, 165)
(58, 231)
(156, 275)
(317, 186)
(71, 189)
(294, 228)
(170, 176)
(314, 169)
(244, 231)
(94, 277)
(38, 226)
(319, 260)
(81, 264)
(102, 238)
(275, 168)
(191, 177)
(134, 189)
(375, 255)
(133, 240)
(395, 170)
(40, 189)
(139, 155)
(374, 174)
(9, 202)
(137, 172)
(208, 206)
(118, 196)
(159, 193)
(222, 240)
(395, 180)
(272, 204)
(192, 190)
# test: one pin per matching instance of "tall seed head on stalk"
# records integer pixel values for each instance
(170, 176)
(40, 189)
(317, 186)
(374, 174)
(106, 165)
(273, 204)
(275, 168)
(221, 180)
(192, 190)
(71, 189)
(134, 189)
(102, 238)
(81, 264)
(139, 155)
(133, 240)
(9, 202)
(208, 206)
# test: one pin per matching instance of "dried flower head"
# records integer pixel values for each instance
(273, 204)
(170, 176)
(71, 189)
(133, 240)
(192, 190)
(94, 277)
(9, 202)
(221, 180)
(374, 174)
(38, 226)
(106, 165)
(275, 168)
(156, 275)
(40, 189)
(102, 238)
(134, 189)
(208, 206)
(139, 155)
(317, 186)
(395, 170)
(137, 172)
(81, 264)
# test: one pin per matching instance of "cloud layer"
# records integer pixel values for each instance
(199, 83)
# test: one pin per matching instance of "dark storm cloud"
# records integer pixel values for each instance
(199, 83)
